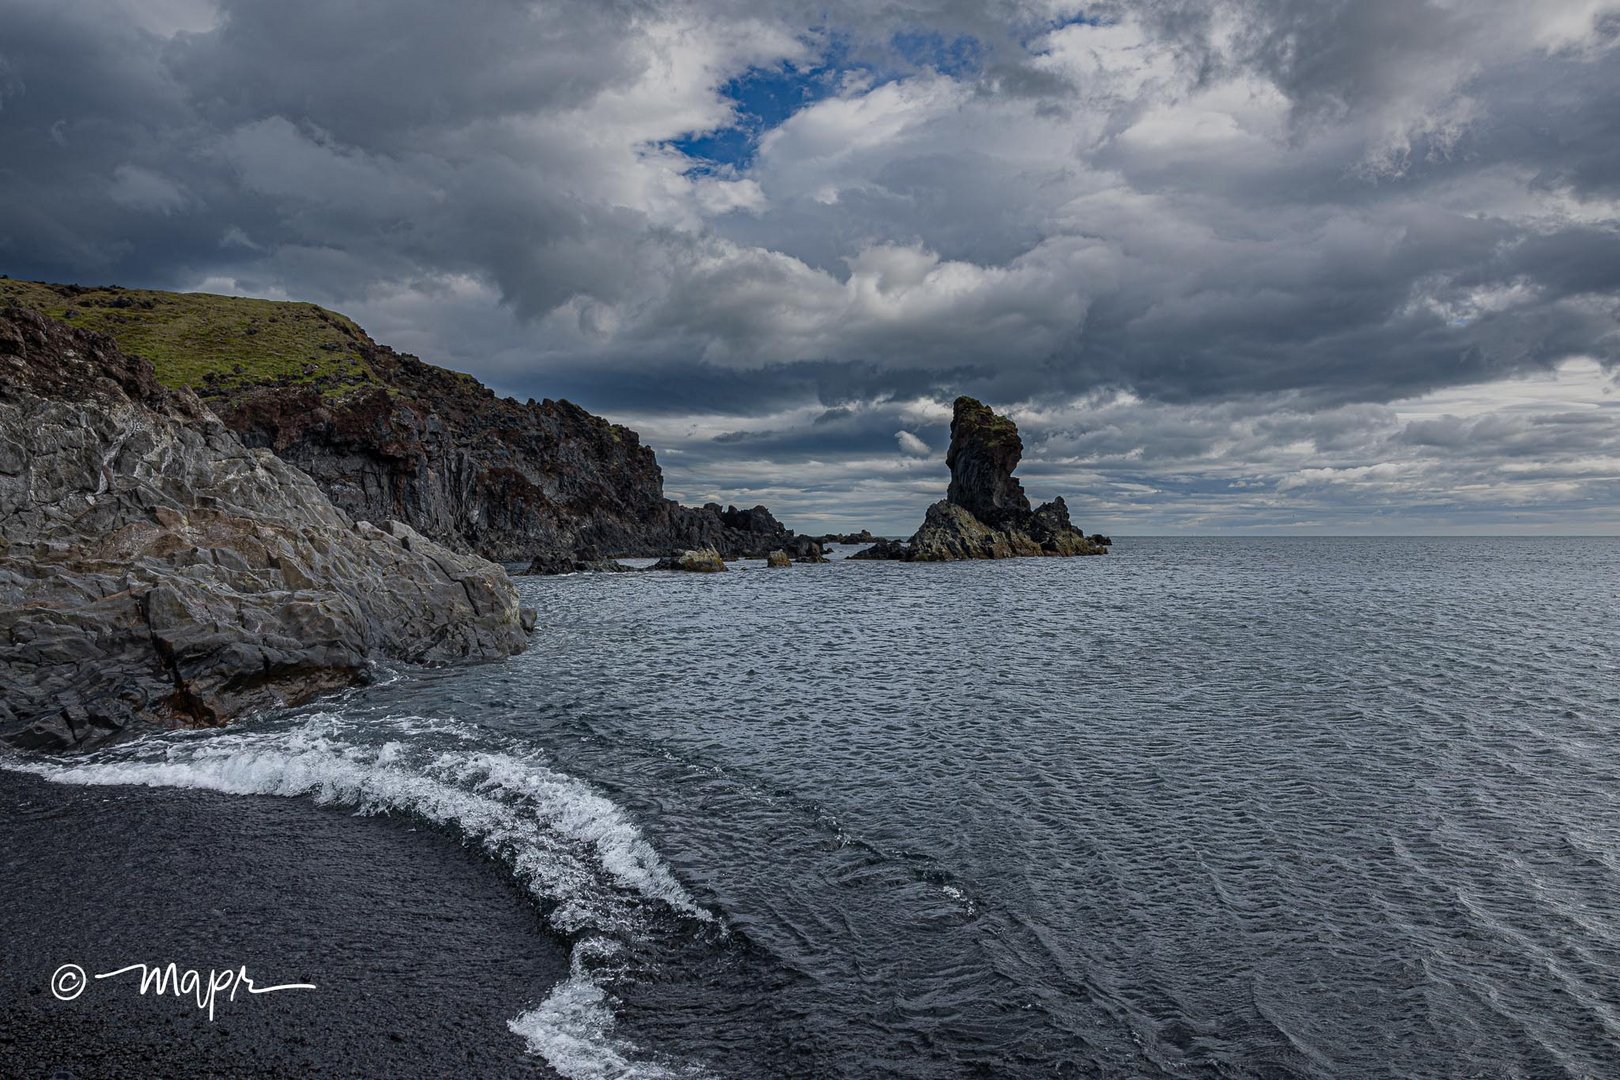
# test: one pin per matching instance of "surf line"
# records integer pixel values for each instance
(69, 981)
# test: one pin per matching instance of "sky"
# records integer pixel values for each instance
(1317, 266)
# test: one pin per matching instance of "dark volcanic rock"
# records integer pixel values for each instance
(485, 474)
(698, 561)
(153, 569)
(863, 537)
(985, 514)
(588, 561)
(985, 449)
(738, 534)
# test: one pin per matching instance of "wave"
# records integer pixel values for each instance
(596, 878)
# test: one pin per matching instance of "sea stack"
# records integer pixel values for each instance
(985, 513)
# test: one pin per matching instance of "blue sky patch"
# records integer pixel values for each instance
(764, 97)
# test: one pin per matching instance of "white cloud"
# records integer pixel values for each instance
(910, 444)
(1281, 249)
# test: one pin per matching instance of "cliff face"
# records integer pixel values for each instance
(387, 436)
(511, 481)
(474, 471)
(153, 569)
(985, 514)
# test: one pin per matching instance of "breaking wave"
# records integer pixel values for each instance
(595, 877)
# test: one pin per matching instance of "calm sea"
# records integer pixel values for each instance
(1257, 807)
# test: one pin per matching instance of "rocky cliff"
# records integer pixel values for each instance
(154, 570)
(387, 436)
(985, 513)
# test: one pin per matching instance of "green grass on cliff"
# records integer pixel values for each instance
(212, 344)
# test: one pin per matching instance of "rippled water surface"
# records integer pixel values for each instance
(1283, 808)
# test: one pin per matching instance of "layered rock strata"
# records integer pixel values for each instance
(154, 570)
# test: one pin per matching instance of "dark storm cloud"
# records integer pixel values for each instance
(1208, 250)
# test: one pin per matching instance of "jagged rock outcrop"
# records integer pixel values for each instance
(587, 561)
(739, 534)
(863, 537)
(699, 561)
(153, 570)
(985, 513)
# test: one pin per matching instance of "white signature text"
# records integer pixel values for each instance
(69, 981)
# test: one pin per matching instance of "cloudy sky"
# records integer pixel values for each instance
(1273, 265)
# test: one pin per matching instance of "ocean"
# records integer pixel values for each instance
(1259, 807)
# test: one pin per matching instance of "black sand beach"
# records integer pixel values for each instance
(420, 950)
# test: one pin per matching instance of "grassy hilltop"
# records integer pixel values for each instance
(215, 344)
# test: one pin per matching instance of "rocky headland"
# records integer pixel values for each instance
(389, 437)
(985, 513)
(154, 570)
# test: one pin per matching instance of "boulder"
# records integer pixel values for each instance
(155, 571)
(778, 558)
(695, 561)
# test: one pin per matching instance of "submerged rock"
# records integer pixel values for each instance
(155, 570)
(698, 561)
(985, 513)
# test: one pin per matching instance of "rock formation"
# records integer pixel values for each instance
(587, 561)
(387, 436)
(739, 534)
(698, 561)
(863, 537)
(985, 514)
(153, 569)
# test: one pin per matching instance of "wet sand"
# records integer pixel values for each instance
(420, 950)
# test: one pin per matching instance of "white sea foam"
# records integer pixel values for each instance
(575, 850)
(573, 1030)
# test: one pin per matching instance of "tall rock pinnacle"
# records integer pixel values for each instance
(985, 513)
(985, 449)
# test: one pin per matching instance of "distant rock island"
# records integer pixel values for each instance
(985, 513)
(388, 436)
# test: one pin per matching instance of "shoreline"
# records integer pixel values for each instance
(420, 948)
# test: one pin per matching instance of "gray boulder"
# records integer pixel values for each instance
(695, 561)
